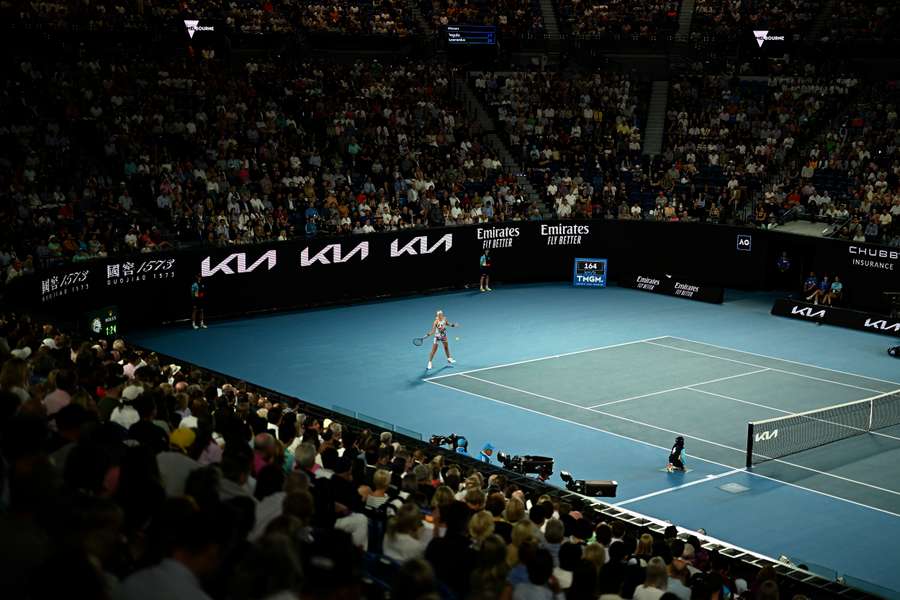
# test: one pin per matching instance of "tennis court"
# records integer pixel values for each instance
(651, 390)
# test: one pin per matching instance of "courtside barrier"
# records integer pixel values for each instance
(155, 288)
(836, 315)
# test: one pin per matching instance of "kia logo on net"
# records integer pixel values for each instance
(765, 436)
(333, 254)
(808, 312)
(419, 245)
(237, 263)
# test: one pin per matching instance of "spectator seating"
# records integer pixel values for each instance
(512, 18)
(847, 175)
(127, 472)
(198, 152)
(619, 20)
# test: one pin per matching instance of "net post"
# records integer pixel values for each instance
(749, 445)
(871, 413)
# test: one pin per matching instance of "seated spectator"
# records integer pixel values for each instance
(811, 287)
(540, 584)
(656, 581)
(835, 294)
(401, 540)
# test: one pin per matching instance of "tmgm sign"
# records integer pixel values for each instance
(589, 272)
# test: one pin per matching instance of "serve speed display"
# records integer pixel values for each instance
(589, 272)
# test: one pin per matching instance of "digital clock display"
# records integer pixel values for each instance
(103, 322)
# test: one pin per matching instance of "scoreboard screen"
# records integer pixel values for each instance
(589, 272)
(103, 322)
(471, 35)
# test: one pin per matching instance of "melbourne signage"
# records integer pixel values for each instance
(564, 235)
(836, 315)
(334, 254)
(491, 238)
(237, 263)
(674, 286)
(744, 242)
(421, 245)
(193, 26)
(762, 36)
(869, 257)
(128, 272)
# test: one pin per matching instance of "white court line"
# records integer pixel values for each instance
(531, 360)
(678, 487)
(787, 412)
(645, 443)
(742, 451)
(793, 362)
(743, 362)
(681, 387)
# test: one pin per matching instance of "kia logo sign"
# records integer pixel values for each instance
(807, 312)
(882, 325)
(419, 245)
(237, 263)
(333, 254)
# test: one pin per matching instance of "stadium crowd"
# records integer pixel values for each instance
(128, 477)
(515, 18)
(716, 22)
(850, 173)
(197, 152)
(620, 19)
(570, 133)
(345, 17)
(205, 151)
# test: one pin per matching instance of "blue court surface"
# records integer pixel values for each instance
(603, 381)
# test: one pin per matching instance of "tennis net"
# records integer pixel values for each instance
(781, 436)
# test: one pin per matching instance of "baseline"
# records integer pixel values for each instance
(549, 357)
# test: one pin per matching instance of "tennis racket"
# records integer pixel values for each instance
(419, 340)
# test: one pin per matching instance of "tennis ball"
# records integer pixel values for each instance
(457, 338)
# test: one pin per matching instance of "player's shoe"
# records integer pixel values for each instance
(196, 326)
(429, 365)
(203, 326)
(488, 289)
(482, 289)
(451, 361)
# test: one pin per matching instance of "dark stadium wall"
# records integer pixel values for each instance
(155, 288)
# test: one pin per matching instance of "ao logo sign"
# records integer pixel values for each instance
(744, 242)
(808, 312)
(765, 436)
(239, 261)
(333, 253)
(419, 245)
